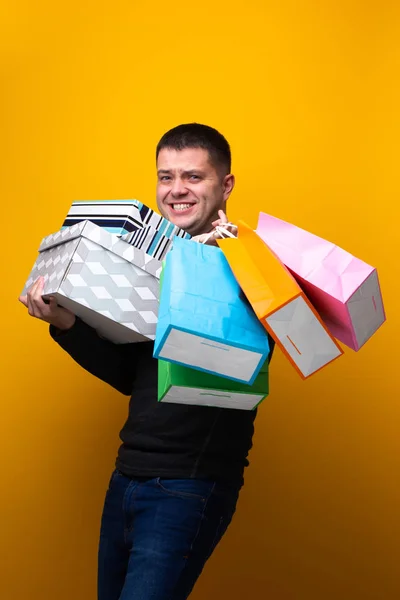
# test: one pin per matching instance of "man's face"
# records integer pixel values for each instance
(190, 190)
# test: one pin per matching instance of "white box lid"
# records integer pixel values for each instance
(106, 240)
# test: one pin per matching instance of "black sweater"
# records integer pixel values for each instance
(162, 440)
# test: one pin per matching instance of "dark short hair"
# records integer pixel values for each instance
(195, 135)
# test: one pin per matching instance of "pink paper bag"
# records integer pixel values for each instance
(344, 289)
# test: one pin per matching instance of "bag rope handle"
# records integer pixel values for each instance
(223, 232)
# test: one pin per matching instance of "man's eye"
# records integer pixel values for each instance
(194, 177)
(165, 178)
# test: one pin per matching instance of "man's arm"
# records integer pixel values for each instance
(112, 363)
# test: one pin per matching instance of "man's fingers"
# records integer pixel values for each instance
(46, 309)
(211, 239)
(222, 219)
(34, 299)
(32, 292)
(222, 216)
(31, 308)
(37, 288)
(52, 304)
(23, 300)
(37, 307)
(232, 229)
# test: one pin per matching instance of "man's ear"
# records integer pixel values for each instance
(228, 184)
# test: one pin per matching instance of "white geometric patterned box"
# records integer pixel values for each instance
(109, 284)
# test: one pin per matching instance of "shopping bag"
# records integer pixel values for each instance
(204, 321)
(279, 302)
(344, 289)
(181, 385)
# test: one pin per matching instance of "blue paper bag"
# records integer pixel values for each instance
(204, 320)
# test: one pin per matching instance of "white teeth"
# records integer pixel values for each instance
(181, 206)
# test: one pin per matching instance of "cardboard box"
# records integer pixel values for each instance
(131, 220)
(119, 217)
(109, 284)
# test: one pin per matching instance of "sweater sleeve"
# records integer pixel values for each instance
(112, 363)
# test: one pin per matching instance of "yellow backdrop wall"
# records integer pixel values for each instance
(308, 95)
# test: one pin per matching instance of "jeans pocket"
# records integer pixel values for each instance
(197, 489)
(115, 476)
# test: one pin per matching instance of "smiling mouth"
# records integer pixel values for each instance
(181, 206)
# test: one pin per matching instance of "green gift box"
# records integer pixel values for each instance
(181, 385)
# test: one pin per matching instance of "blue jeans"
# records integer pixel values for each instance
(157, 534)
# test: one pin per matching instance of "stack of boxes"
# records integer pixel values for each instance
(92, 267)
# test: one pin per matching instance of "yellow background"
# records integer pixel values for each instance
(308, 95)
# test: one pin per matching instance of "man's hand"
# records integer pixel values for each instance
(211, 238)
(51, 313)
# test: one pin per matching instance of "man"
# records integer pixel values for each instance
(179, 468)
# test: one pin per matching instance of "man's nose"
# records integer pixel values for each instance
(178, 188)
